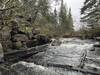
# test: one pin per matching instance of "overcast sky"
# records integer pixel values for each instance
(75, 7)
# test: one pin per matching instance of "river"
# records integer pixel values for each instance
(70, 51)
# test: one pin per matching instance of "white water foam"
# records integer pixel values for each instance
(25, 68)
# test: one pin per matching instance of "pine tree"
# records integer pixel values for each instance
(65, 19)
(91, 12)
(70, 21)
(34, 12)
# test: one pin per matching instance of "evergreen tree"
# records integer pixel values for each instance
(65, 19)
(34, 13)
(91, 12)
(70, 21)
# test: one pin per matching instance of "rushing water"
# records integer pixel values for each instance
(67, 52)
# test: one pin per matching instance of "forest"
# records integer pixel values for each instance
(37, 14)
(38, 37)
(34, 14)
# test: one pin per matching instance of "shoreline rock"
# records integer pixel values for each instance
(24, 68)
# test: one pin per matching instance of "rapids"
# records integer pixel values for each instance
(68, 52)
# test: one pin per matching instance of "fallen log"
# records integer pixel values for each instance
(18, 55)
(72, 68)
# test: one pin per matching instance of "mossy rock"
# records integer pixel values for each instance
(18, 45)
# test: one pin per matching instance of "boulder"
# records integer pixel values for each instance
(19, 41)
(24, 68)
(97, 38)
(39, 39)
(42, 39)
(56, 42)
(20, 37)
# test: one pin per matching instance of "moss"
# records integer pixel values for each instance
(18, 45)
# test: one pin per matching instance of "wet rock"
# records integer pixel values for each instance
(97, 38)
(55, 42)
(39, 39)
(42, 39)
(97, 45)
(24, 68)
(92, 49)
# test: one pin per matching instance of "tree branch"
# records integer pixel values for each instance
(8, 8)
